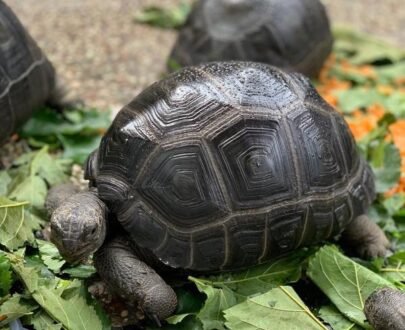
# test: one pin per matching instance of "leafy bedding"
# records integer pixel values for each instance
(364, 79)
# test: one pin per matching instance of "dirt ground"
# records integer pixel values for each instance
(106, 58)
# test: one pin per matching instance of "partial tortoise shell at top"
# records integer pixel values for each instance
(226, 165)
(291, 34)
(27, 78)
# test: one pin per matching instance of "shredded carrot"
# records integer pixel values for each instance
(397, 131)
(385, 89)
(363, 122)
(364, 70)
(330, 86)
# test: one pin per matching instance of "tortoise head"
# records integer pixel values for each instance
(78, 226)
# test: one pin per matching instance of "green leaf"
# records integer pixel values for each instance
(389, 73)
(394, 203)
(42, 321)
(79, 147)
(280, 308)
(386, 166)
(188, 301)
(5, 179)
(32, 173)
(16, 224)
(189, 322)
(47, 122)
(14, 308)
(50, 255)
(346, 283)
(66, 303)
(332, 316)
(228, 289)
(394, 271)
(173, 65)
(32, 189)
(81, 271)
(54, 171)
(361, 49)
(218, 300)
(5, 275)
(358, 98)
(262, 278)
(172, 18)
(74, 313)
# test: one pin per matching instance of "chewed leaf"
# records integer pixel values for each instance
(42, 321)
(50, 255)
(72, 309)
(5, 275)
(262, 278)
(218, 299)
(16, 224)
(346, 283)
(14, 308)
(228, 289)
(280, 308)
(336, 319)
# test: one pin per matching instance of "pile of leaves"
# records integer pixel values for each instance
(37, 287)
(313, 288)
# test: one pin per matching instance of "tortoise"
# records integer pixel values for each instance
(27, 78)
(385, 309)
(292, 34)
(215, 168)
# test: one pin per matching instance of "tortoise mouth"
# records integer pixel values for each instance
(76, 258)
(75, 255)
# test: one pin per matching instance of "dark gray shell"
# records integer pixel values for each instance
(291, 34)
(227, 165)
(26, 76)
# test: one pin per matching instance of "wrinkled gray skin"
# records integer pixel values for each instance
(385, 309)
(84, 216)
(72, 231)
(366, 238)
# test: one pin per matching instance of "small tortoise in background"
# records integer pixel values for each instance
(27, 78)
(216, 168)
(290, 34)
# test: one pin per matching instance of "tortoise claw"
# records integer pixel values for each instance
(155, 319)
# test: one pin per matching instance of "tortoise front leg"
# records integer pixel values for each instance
(134, 280)
(366, 238)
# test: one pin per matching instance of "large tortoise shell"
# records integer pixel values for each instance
(292, 34)
(226, 165)
(27, 78)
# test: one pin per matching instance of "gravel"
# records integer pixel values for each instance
(106, 58)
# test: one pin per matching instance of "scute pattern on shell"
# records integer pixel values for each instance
(292, 34)
(26, 76)
(225, 165)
